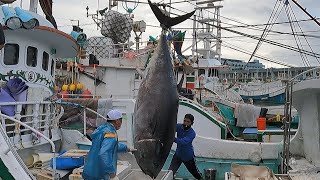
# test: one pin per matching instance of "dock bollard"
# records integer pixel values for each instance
(210, 174)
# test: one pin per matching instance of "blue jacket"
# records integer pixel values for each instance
(184, 143)
(102, 157)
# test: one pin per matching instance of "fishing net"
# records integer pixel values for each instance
(101, 47)
(116, 26)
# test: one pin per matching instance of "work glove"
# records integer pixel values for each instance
(131, 149)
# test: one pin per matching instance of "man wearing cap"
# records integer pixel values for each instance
(184, 152)
(101, 162)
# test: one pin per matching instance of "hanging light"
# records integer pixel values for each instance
(28, 21)
(11, 20)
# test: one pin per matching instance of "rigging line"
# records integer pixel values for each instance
(303, 33)
(271, 42)
(276, 23)
(278, 32)
(153, 26)
(295, 29)
(270, 27)
(265, 40)
(256, 55)
(256, 28)
(305, 61)
(305, 11)
(274, 32)
(240, 37)
(201, 9)
(217, 15)
(274, 20)
(297, 40)
(209, 12)
(265, 32)
(183, 1)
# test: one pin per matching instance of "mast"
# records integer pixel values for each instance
(209, 35)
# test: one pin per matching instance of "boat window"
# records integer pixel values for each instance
(32, 54)
(11, 54)
(52, 67)
(45, 61)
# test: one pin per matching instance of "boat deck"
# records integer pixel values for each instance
(303, 169)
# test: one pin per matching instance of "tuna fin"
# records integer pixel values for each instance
(166, 21)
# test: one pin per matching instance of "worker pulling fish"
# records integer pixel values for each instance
(156, 108)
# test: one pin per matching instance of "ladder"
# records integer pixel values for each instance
(287, 126)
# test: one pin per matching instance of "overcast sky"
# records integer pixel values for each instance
(233, 11)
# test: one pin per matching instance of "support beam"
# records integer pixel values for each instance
(205, 2)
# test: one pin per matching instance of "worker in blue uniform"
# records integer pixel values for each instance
(184, 152)
(101, 162)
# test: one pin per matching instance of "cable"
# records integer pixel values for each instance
(257, 38)
(275, 23)
(258, 56)
(265, 31)
(298, 42)
(303, 33)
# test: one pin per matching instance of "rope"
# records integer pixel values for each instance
(302, 32)
(265, 31)
(259, 56)
(130, 10)
(265, 40)
(297, 41)
(227, 123)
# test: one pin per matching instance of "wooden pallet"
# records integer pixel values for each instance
(76, 174)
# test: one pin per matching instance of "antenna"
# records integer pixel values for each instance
(95, 17)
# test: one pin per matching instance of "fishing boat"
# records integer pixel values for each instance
(33, 144)
(213, 149)
(268, 93)
(209, 127)
(295, 164)
(113, 73)
(30, 133)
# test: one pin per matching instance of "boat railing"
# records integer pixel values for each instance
(120, 50)
(212, 113)
(313, 73)
(261, 91)
(223, 92)
(88, 96)
(37, 132)
(41, 115)
(124, 105)
(84, 113)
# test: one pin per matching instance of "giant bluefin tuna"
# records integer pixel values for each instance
(155, 113)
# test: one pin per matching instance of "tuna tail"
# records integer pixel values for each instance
(166, 21)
